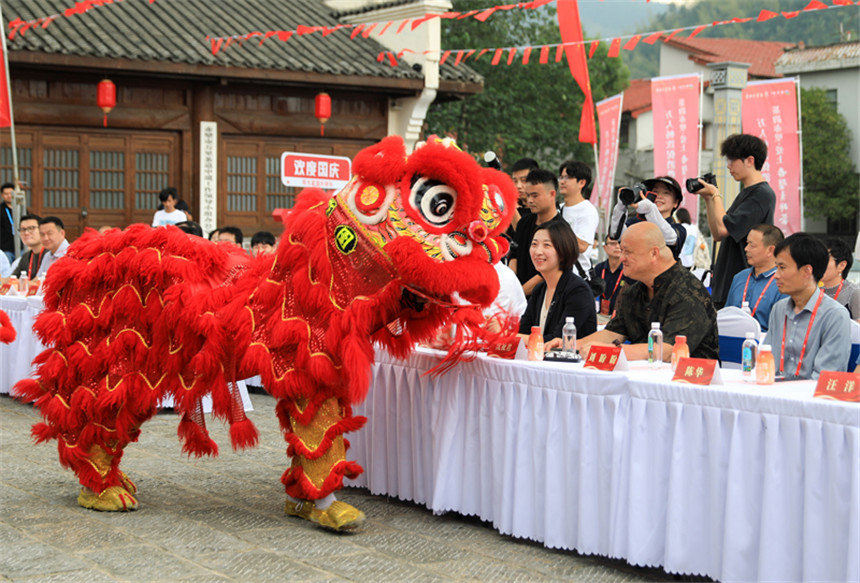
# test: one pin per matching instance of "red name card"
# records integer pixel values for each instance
(605, 358)
(505, 348)
(33, 290)
(5, 288)
(839, 386)
(697, 371)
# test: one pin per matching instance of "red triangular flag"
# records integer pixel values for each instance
(544, 55)
(527, 52)
(511, 54)
(766, 15)
(653, 37)
(497, 56)
(631, 44)
(697, 31)
(614, 47)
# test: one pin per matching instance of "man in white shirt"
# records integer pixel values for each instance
(573, 179)
(170, 215)
(53, 235)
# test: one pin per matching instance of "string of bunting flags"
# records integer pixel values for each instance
(509, 54)
(499, 55)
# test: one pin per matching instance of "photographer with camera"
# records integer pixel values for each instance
(654, 200)
(745, 155)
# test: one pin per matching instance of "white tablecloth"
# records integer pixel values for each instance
(740, 483)
(16, 358)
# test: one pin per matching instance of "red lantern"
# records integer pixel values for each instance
(106, 97)
(322, 110)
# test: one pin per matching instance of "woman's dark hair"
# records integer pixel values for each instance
(564, 241)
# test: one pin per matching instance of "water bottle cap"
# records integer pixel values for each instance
(745, 304)
(655, 325)
(765, 347)
(535, 329)
(751, 335)
(680, 339)
(568, 320)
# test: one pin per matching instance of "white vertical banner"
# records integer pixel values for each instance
(675, 107)
(609, 122)
(208, 176)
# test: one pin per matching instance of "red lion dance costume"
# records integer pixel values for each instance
(135, 315)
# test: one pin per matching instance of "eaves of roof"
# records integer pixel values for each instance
(170, 36)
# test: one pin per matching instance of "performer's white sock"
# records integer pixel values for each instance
(320, 504)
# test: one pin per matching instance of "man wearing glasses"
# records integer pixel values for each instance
(28, 263)
(573, 180)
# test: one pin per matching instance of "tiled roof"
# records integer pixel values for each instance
(841, 53)
(176, 30)
(372, 7)
(760, 54)
(637, 97)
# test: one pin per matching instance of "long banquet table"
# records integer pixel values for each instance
(738, 482)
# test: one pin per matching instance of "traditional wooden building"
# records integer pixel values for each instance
(170, 83)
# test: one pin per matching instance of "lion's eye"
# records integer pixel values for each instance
(434, 200)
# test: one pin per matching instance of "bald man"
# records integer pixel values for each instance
(665, 292)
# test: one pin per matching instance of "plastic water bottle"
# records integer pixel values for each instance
(680, 350)
(748, 354)
(24, 284)
(765, 372)
(655, 345)
(745, 308)
(568, 335)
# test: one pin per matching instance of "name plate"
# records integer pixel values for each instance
(505, 348)
(839, 386)
(697, 371)
(4, 288)
(606, 358)
(32, 290)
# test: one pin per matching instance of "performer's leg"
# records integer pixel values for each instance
(103, 485)
(314, 430)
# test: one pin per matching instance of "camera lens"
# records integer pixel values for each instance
(693, 185)
(626, 196)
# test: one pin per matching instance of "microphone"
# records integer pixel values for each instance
(492, 160)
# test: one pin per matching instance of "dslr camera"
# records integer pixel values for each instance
(693, 184)
(630, 194)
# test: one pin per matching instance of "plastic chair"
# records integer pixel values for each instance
(732, 326)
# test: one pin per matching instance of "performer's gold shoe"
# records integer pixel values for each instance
(127, 483)
(339, 516)
(114, 499)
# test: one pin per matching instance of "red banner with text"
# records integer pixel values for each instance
(770, 112)
(5, 110)
(608, 120)
(675, 110)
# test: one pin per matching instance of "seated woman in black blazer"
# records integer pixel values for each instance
(562, 293)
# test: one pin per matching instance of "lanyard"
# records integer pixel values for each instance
(805, 340)
(30, 273)
(761, 295)
(11, 222)
(838, 289)
(617, 282)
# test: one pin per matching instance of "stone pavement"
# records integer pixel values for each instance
(221, 519)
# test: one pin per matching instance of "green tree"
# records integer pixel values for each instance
(830, 180)
(525, 110)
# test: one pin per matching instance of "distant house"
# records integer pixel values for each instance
(169, 80)
(680, 56)
(835, 68)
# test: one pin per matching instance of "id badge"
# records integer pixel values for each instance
(604, 307)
